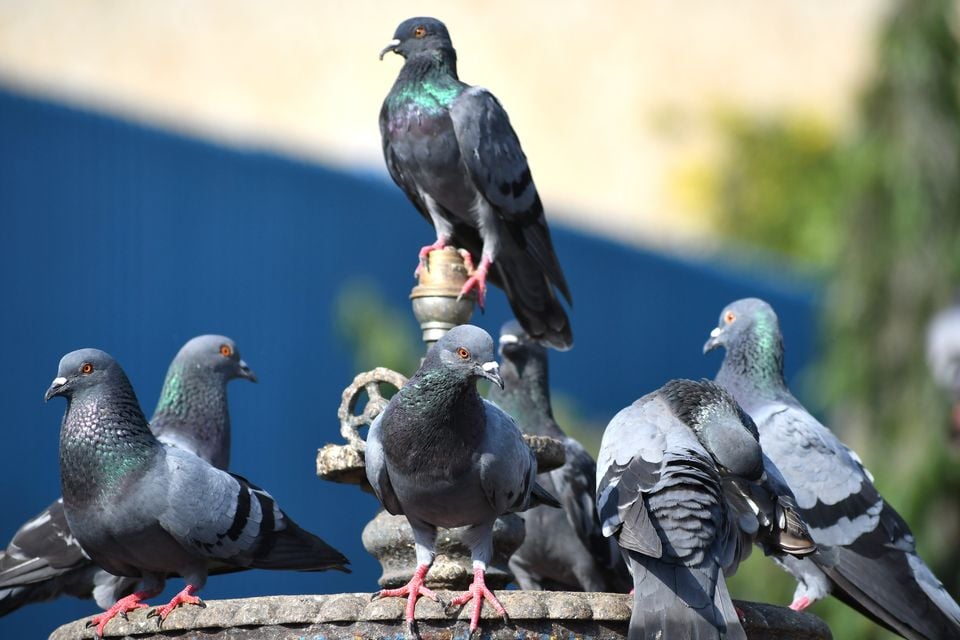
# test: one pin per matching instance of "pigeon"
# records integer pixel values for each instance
(867, 554)
(943, 359)
(667, 467)
(43, 560)
(146, 510)
(563, 550)
(451, 149)
(444, 457)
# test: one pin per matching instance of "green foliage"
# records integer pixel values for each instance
(378, 334)
(779, 186)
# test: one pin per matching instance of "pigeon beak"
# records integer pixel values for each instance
(246, 372)
(714, 340)
(508, 342)
(491, 371)
(56, 387)
(392, 46)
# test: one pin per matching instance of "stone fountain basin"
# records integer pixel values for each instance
(348, 616)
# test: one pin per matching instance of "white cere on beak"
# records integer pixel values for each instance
(508, 338)
(716, 331)
(58, 382)
(490, 366)
(394, 43)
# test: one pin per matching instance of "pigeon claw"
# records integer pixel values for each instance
(478, 592)
(478, 280)
(184, 597)
(422, 264)
(800, 603)
(412, 590)
(120, 608)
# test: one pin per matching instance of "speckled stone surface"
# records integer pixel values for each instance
(534, 615)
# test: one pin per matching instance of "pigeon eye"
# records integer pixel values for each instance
(419, 32)
(730, 317)
(86, 368)
(463, 353)
(226, 351)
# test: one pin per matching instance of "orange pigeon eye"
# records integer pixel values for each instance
(730, 317)
(226, 351)
(419, 31)
(86, 368)
(463, 353)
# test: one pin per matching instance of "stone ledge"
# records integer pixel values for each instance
(600, 616)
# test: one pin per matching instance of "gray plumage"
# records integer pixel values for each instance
(452, 150)
(663, 485)
(562, 550)
(44, 561)
(444, 457)
(867, 553)
(142, 509)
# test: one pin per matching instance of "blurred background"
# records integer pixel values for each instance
(177, 168)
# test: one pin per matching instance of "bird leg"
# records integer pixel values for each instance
(413, 590)
(184, 597)
(120, 608)
(800, 603)
(441, 243)
(478, 592)
(477, 279)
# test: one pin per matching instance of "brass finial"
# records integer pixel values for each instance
(436, 299)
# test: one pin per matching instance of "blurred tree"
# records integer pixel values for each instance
(779, 185)
(379, 334)
(895, 261)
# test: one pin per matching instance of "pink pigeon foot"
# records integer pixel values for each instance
(800, 603)
(120, 608)
(478, 592)
(184, 597)
(741, 615)
(477, 279)
(441, 243)
(413, 590)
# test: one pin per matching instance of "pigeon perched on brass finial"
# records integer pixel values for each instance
(451, 148)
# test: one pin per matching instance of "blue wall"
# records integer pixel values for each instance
(134, 240)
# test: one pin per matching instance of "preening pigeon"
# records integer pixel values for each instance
(145, 510)
(445, 457)
(43, 560)
(562, 550)
(451, 148)
(667, 467)
(867, 555)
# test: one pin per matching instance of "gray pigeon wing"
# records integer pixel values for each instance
(498, 169)
(224, 517)
(629, 464)
(508, 469)
(833, 490)
(375, 464)
(42, 548)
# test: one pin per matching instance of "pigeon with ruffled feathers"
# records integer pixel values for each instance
(668, 466)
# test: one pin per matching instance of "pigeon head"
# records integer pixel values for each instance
(467, 351)
(517, 346)
(743, 321)
(419, 35)
(727, 433)
(83, 370)
(215, 354)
